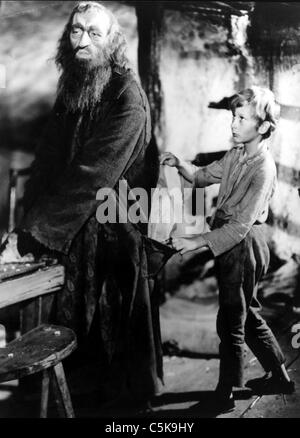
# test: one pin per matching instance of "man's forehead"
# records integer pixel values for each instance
(93, 18)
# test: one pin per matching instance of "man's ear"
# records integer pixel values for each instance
(264, 127)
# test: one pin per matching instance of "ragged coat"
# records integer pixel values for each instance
(110, 269)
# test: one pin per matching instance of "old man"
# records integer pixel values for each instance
(98, 134)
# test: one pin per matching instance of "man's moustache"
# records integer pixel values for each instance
(80, 49)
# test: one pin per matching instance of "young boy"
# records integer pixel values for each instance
(247, 175)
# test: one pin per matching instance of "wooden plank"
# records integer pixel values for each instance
(42, 282)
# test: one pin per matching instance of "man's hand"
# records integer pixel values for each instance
(186, 244)
(169, 159)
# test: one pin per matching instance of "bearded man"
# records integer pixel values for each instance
(99, 132)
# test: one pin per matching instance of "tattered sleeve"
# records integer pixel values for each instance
(211, 174)
(245, 215)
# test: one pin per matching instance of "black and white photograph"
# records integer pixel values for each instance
(149, 212)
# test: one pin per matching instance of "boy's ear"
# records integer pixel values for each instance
(264, 127)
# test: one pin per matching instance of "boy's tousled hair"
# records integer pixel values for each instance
(263, 101)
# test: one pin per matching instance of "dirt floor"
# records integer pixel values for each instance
(188, 389)
(190, 361)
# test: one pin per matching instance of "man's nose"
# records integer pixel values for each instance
(85, 40)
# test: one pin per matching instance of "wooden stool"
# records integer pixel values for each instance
(41, 350)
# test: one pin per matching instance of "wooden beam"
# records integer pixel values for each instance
(213, 7)
(150, 18)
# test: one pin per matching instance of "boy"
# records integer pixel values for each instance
(247, 175)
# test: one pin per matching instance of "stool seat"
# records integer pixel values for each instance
(41, 350)
(35, 351)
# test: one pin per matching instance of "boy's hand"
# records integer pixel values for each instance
(186, 244)
(168, 159)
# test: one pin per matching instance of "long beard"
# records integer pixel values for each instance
(82, 83)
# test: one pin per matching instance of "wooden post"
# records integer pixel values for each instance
(150, 19)
(150, 25)
(45, 394)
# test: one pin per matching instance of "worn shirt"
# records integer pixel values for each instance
(247, 185)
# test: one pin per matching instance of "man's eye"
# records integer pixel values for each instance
(95, 35)
(76, 31)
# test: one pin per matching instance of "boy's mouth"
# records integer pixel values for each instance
(236, 138)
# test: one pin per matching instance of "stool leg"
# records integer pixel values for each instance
(56, 394)
(63, 390)
(45, 394)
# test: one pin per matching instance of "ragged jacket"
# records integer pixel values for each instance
(76, 157)
(247, 185)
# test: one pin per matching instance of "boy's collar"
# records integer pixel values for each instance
(245, 159)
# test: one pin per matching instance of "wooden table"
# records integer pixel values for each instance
(37, 284)
(30, 289)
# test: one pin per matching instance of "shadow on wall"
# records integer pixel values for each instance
(19, 141)
(11, 159)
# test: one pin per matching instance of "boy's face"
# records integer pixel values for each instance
(244, 125)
